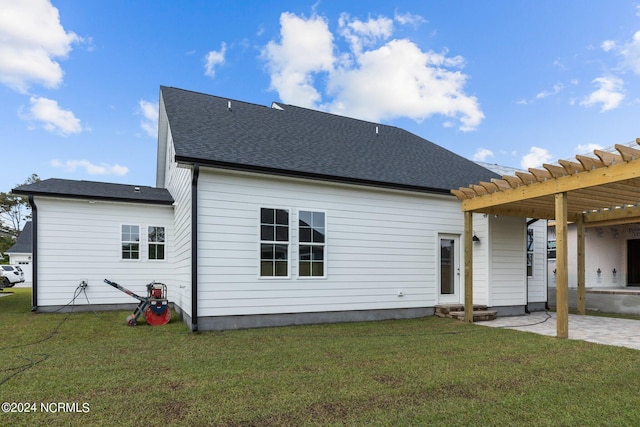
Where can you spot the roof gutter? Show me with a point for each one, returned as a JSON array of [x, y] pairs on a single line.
[[93, 197], [194, 247], [34, 254]]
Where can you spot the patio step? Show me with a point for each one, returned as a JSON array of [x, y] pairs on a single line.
[[456, 311]]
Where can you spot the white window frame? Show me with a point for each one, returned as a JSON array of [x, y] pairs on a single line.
[[286, 243], [122, 242], [163, 244], [324, 245]]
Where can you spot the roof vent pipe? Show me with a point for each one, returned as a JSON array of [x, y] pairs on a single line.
[[377, 131], [229, 105], [136, 189]]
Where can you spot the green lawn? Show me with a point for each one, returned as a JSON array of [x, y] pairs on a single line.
[[411, 372]]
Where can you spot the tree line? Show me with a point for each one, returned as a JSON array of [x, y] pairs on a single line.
[[14, 213]]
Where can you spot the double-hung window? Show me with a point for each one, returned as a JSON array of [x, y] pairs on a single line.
[[274, 242], [130, 238], [156, 242], [311, 239]]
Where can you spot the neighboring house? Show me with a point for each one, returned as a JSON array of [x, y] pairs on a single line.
[[21, 253], [277, 216]]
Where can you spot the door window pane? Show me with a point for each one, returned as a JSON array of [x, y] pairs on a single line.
[[447, 266]]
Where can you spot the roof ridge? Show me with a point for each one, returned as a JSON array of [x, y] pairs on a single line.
[[222, 98]]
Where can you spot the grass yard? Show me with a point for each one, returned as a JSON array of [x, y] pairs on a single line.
[[428, 371]]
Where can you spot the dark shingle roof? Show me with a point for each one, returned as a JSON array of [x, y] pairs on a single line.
[[97, 190], [23, 244], [302, 142]]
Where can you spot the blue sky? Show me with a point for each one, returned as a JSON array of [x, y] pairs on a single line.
[[516, 83]]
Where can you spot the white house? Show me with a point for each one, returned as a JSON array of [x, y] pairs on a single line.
[[276, 216], [20, 252]]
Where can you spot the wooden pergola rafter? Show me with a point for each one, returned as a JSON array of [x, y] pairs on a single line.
[[590, 191]]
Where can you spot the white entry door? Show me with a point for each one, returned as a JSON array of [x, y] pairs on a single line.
[[449, 269]]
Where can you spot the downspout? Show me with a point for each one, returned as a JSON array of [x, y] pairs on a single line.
[[194, 248], [526, 306], [34, 254]]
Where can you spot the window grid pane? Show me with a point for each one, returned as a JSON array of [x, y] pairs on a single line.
[[311, 232], [130, 236], [156, 242], [274, 239]]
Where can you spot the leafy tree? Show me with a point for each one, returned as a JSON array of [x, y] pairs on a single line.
[[5, 243], [15, 210]]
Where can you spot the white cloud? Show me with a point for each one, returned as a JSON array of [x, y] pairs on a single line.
[[559, 64], [376, 79], [213, 59], [608, 45], [629, 52], [361, 34], [32, 39], [586, 148], [609, 94], [400, 80], [90, 168], [557, 88], [409, 19], [535, 158], [54, 119], [149, 112], [305, 49], [482, 154]]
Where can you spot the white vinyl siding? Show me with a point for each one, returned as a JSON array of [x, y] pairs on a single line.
[[481, 256], [382, 242], [178, 182], [80, 240], [508, 254]]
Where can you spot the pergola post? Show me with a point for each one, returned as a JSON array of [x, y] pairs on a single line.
[[468, 267], [562, 274], [581, 257]]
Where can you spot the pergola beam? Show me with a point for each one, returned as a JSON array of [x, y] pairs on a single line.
[[618, 215], [468, 267], [562, 272], [601, 176], [590, 191]]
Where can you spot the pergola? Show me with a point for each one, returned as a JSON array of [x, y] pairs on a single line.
[[590, 191]]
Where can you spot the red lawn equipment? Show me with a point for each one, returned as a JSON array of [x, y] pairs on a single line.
[[155, 306]]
